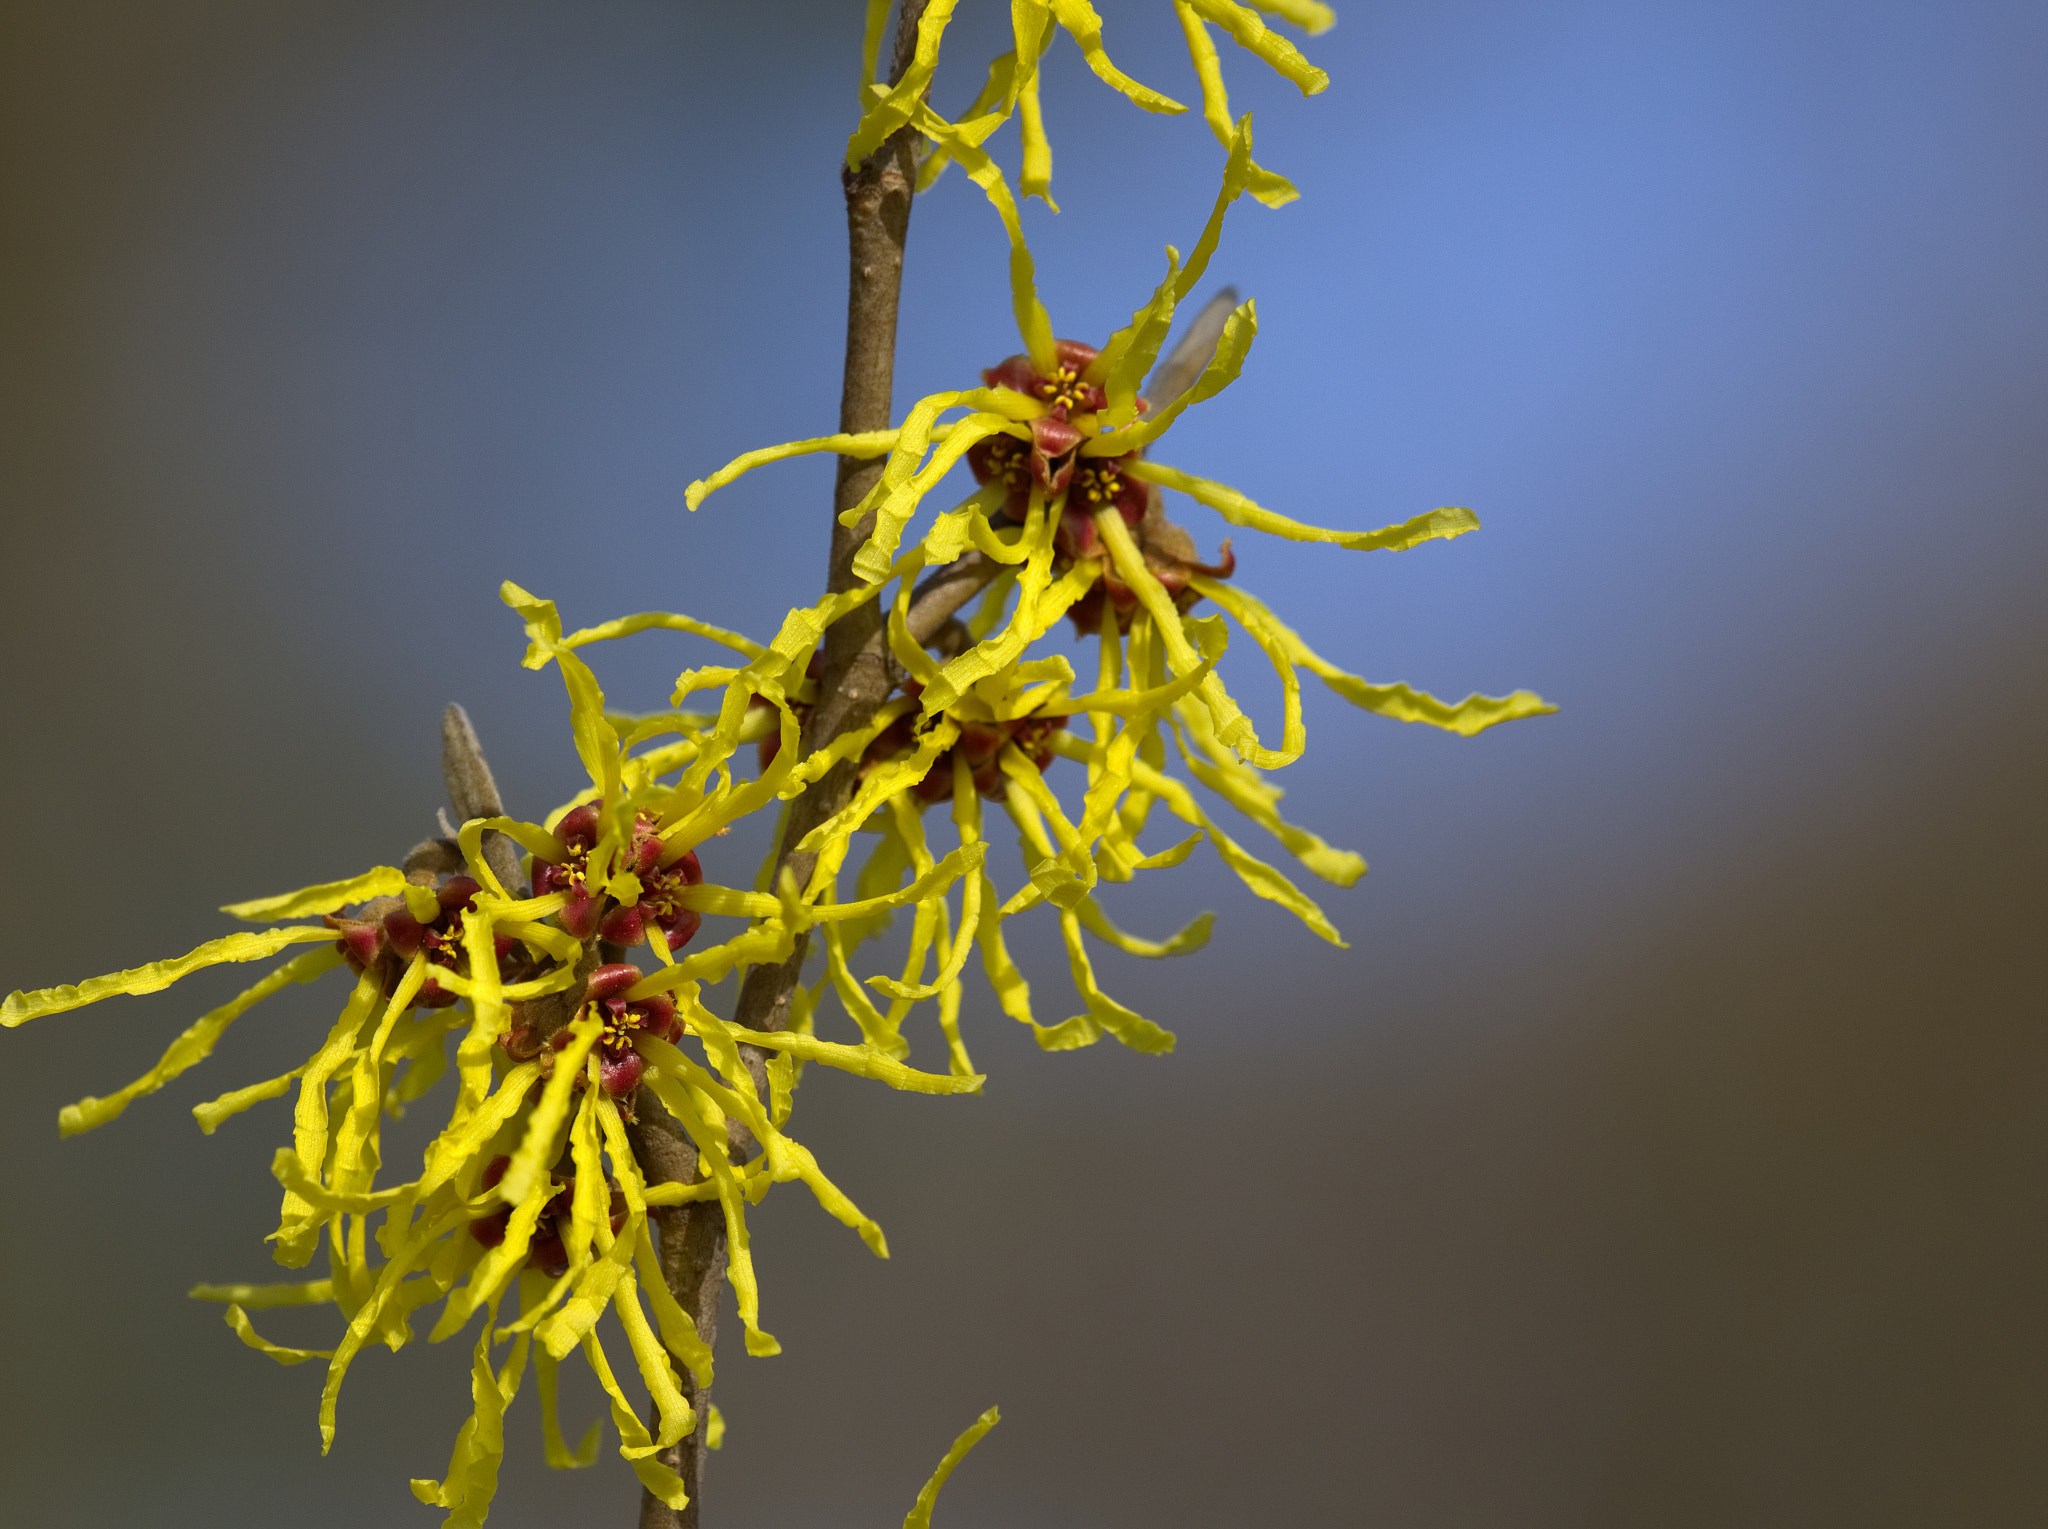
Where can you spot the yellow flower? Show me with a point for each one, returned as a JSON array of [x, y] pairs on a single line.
[[530, 1205], [1070, 508], [1012, 83], [551, 1052]]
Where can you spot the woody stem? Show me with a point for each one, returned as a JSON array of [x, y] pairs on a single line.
[[855, 678]]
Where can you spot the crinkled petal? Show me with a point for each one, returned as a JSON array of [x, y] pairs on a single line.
[[920, 1516], [1472, 715], [239, 1321], [196, 1044], [21, 1007], [383, 881]]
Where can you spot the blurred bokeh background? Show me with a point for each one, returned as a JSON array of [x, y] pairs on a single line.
[[1668, 1147]]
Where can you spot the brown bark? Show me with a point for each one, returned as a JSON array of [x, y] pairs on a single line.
[[692, 1249], [855, 677]]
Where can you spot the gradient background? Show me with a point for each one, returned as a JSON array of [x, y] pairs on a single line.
[[1669, 1146]]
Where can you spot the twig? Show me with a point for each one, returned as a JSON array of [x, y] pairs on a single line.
[[856, 676]]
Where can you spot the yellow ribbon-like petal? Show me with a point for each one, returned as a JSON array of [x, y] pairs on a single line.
[[1249, 30], [239, 1321], [863, 445], [1440, 524], [21, 1007], [384, 881], [1081, 22], [196, 1044], [1263, 184], [317, 1292], [1472, 715], [920, 1516]]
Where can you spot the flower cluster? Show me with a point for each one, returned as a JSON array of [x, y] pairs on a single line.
[[385, 933], [1069, 514], [657, 908], [532, 1205], [531, 1192]]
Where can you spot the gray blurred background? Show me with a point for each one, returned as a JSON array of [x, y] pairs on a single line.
[[1667, 1148]]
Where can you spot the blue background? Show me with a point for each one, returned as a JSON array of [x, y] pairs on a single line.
[[1668, 1146]]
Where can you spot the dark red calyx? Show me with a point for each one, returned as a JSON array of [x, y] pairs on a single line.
[[619, 1075], [658, 1017], [579, 915], [490, 1230], [1062, 391], [1100, 482], [546, 1252], [623, 926], [1075, 355], [616, 978], [680, 927], [1015, 373], [578, 828], [458, 892], [548, 877], [504, 945], [434, 996], [618, 1209], [521, 1042], [404, 932], [1006, 458], [361, 942], [647, 848], [494, 1171], [1052, 438]]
